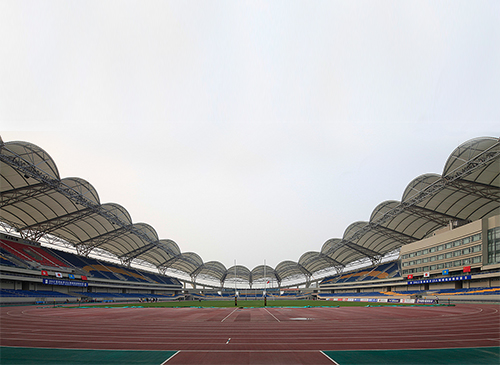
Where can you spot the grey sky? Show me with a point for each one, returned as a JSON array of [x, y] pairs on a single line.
[[249, 130]]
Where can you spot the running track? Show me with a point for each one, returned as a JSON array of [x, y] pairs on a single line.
[[251, 335]]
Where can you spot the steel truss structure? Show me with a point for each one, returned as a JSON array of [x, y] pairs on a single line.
[[36, 203]]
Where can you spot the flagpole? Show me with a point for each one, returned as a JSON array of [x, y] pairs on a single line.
[[265, 285], [235, 297]]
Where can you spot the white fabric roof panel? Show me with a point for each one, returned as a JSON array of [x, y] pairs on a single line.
[[157, 253], [213, 269], [288, 270], [29, 208], [339, 250], [314, 261], [379, 240], [83, 225], [35, 200], [239, 272], [263, 272], [29, 155], [409, 223], [122, 241], [187, 262]]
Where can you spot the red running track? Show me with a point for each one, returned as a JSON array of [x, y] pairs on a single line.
[[252, 335]]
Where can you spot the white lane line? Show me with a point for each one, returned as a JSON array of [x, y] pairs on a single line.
[[170, 358], [229, 315], [329, 358], [176, 343], [272, 315]]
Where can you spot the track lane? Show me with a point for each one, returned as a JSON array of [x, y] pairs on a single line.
[[252, 330]]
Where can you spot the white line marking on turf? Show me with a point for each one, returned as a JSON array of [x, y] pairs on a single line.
[[163, 363], [229, 315], [272, 315], [336, 363]]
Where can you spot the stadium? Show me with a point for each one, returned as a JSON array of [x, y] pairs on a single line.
[[435, 254]]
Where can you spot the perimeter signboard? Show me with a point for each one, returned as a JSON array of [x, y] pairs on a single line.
[[65, 282], [439, 280]]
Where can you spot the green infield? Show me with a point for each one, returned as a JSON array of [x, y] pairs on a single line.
[[456, 356], [28, 356], [249, 304]]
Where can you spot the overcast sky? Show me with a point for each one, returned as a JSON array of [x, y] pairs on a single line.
[[249, 130]]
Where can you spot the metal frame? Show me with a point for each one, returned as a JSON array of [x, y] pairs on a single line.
[[453, 178]]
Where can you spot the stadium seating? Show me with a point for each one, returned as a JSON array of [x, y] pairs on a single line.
[[381, 271], [124, 296], [27, 256], [31, 253], [353, 294], [101, 270], [405, 292], [468, 291], [4, 260], [33, 293]]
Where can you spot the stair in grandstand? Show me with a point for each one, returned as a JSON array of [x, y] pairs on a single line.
[[8, 259]]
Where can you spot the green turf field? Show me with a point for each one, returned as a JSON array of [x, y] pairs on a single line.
[[35, 356], [458, 356], [250, 304]]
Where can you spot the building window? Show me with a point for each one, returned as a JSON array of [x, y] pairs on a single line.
[[476, 260], [494, 245]]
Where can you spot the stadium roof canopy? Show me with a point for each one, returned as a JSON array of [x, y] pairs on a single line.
[[36, 202]]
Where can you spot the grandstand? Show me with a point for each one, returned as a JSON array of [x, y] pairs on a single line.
[[32, 273], [59, 241]]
